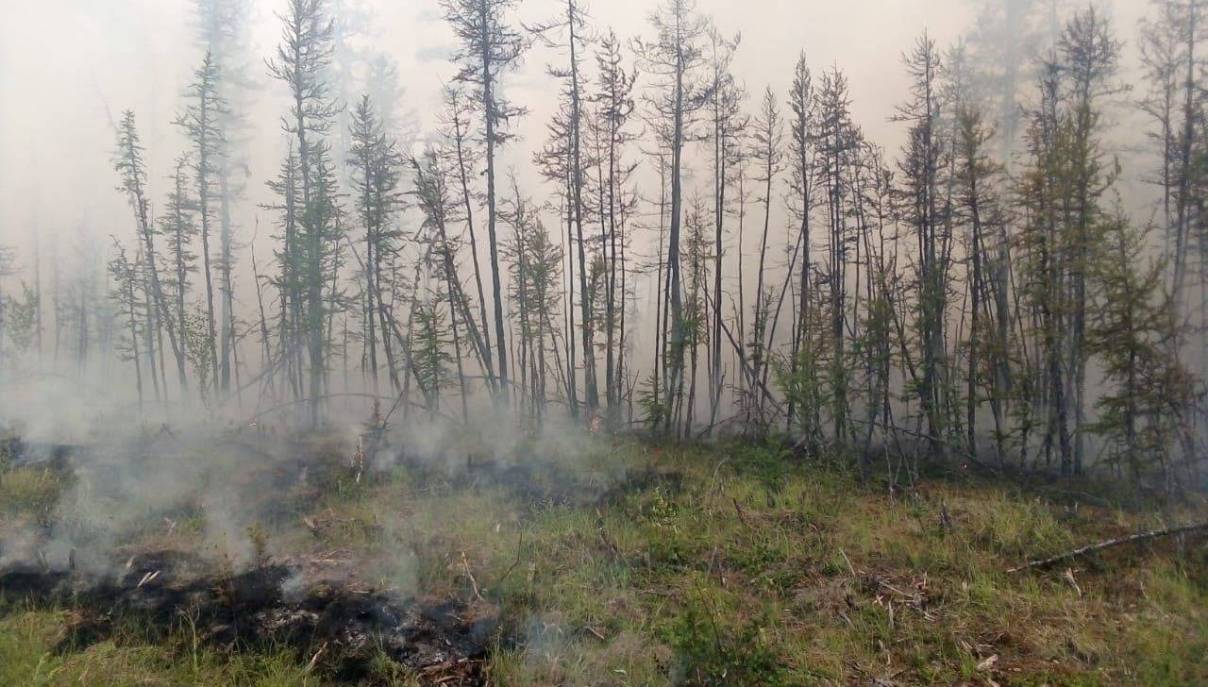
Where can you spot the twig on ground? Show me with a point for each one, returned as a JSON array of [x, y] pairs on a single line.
[[738, 509], [465, 565], [515, 563], [850, 567], [314, 660]]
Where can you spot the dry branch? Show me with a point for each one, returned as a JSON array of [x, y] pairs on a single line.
[[1139, 536]]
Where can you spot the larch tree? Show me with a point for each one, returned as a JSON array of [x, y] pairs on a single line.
[[224, 33], [456, 129], [727, 123], [489, 48], [436, 198], [923, 162], [1144, 410], [125, 285], [201, 122], [1174, 60], [767, 153], [838, 148], [677, 65], [978, 208], [376, 165], [179, 229], [802, 152], [613, 99], [573, 38], [301, 60], [1090, 57], [131, 167]]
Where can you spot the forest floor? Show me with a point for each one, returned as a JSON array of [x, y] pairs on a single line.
[[638, 564]]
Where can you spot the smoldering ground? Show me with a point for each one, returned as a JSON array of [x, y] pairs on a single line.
[[222, 528]]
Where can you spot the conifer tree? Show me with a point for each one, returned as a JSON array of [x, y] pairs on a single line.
[[489, 48]]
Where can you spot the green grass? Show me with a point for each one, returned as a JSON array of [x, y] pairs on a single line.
[[751, 569], [27, 657]]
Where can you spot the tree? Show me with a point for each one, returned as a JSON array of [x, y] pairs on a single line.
[[125, 291], [676, 62], [223, 31], [489, 48], [726, 135], [1090, 55], [438, 203], [302, 57], [7, 261], [838, 145], [614, 103], [534, 261], [130, 166], [571, 25], [179, 229], [201, 123], [766, 151], [978, 207], [456, 130], [801, 200], [924, 159], [376, 175], [429, 354], [1170, 53], [1144, 411]]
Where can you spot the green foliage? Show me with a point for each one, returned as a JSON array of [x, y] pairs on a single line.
[[715, 652], [655, 408], [1143, 412], [430, 354], [21, 318], [199, 347], [30, 492], [769, 464]]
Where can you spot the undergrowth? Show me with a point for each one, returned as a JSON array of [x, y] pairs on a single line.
[[740, 565]]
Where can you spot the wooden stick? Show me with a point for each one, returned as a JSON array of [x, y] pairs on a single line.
[[465, 565], [1140, 536]]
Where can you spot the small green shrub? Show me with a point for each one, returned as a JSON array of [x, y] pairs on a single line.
[[712, 653]]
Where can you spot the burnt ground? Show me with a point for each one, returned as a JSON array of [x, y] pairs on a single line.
[[340, 630], [333, 622]]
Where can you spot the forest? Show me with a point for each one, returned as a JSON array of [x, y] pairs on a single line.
[[709, 383]]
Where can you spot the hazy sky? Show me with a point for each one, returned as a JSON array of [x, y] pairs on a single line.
[[68, 67]]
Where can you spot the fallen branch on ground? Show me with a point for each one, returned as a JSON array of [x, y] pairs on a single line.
[[465, 565], [1140, 536]]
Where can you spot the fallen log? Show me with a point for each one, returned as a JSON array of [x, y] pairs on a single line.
[[1090, 548]]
